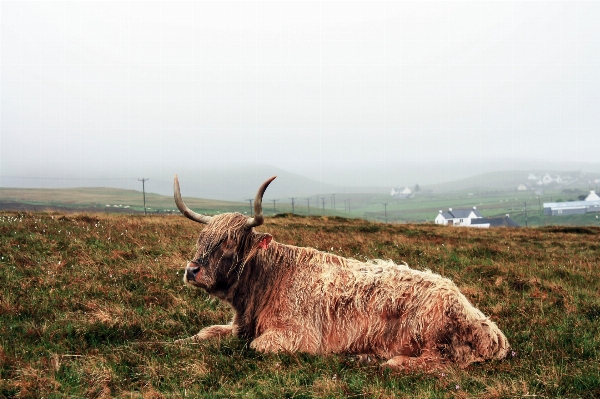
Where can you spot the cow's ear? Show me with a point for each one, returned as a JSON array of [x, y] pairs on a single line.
[[228, 247], [264, 241]]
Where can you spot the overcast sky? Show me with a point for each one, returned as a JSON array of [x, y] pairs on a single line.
[[132, 89]]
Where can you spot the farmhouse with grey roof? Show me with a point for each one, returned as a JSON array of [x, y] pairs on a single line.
[[457, 217]]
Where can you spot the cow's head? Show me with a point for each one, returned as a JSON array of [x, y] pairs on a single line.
[[225, 245]]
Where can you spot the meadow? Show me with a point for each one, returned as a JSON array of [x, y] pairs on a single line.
[[422, 208], [90, 306]]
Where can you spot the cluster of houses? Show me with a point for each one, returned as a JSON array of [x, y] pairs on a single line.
[[544, 181], [538, 182], [590, 204], [472, 218]]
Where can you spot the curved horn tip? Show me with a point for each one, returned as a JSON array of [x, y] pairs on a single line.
[[268, 181], [258, 218]]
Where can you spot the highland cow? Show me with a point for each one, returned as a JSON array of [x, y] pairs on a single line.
[[294, 299]]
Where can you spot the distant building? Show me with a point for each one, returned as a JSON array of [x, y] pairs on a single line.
[[547, 179], [589, 205], [522, 187], [457, 217], [485, 223], [399, 192], [592, 197], [532, 177]]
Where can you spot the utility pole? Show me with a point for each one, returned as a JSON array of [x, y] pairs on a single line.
[[274, 200], [308, 200], [323, 202], [385, 209], [293, 204], [525, 213], [144, 191], [333, 202], [250, 201]]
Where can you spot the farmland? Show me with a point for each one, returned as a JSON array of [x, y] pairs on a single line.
[[90, 306], [421, 209]]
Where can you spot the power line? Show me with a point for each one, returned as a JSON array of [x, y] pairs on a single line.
[[293, 204]]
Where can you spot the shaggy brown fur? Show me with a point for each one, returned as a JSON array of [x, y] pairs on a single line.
[[292, 299]]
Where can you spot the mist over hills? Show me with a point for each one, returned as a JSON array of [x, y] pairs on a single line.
[[238, 182]]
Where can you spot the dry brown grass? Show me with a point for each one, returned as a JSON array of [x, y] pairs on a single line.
[[90, 306]]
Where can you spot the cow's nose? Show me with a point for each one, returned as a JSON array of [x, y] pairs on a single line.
[[191, 271]]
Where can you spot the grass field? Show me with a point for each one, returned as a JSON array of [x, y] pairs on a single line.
[[90, 306], [105, 199], [421, 209]]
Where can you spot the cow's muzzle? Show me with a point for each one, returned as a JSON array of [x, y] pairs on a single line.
[[191, 271]]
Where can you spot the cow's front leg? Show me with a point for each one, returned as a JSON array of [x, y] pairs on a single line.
[[283, 341], [209, 332], [424, 362]]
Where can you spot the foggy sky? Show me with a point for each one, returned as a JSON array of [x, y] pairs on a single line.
[[342, 93]]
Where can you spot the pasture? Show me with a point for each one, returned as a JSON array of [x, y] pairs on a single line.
[[90, 305], [423, 208]]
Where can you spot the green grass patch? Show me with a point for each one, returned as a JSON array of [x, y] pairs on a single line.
[[90, 305]]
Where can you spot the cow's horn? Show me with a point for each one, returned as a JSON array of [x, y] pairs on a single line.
[[196, 217], [258, 218]]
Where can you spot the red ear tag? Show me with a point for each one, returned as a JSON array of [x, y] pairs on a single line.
[[264, 243]]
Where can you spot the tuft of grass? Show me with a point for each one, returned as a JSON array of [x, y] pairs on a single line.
[[90, 305]]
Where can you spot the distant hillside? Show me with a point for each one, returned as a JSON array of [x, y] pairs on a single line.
[[238, 184], [510, 180], [102, 199]]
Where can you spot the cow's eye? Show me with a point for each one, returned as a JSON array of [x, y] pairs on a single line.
[[201, 261]]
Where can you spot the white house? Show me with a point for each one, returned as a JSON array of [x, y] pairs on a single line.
[[457, 217], [522, 187], [592, 197], [532, 177], [547, 179], [401, 192]]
